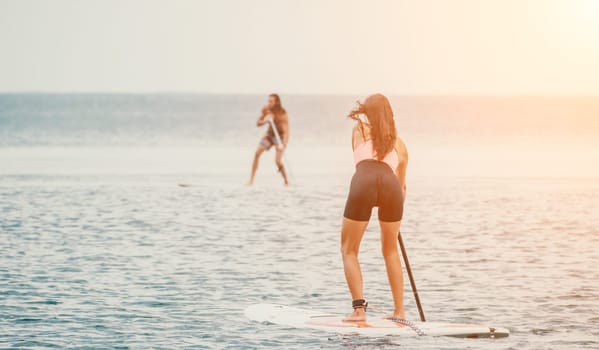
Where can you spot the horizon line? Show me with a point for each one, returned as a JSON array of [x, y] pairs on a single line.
[[158, 92]]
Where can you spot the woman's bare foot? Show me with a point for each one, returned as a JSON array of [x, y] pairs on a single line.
[[358, 315], [401, 314], [398, 315]]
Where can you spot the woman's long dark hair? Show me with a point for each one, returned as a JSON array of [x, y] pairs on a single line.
[[380, 117], [278, 108]]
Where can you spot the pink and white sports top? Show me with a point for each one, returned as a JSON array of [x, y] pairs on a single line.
[[366, 151]]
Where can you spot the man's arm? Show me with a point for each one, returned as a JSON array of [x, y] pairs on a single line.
[[286, 131], [262, 119]]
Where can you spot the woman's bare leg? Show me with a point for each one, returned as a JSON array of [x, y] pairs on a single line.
[[255, 163], [389, 232], [351, 236]]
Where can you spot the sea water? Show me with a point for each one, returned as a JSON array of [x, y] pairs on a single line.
[[100, 247]]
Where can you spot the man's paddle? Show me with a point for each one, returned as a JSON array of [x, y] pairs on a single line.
[[274, 128], [409, 269]]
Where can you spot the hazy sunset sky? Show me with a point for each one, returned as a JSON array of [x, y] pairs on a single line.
[[320, 46]]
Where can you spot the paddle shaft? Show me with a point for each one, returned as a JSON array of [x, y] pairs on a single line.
[[278, 137], [410, 276], [274, 129]]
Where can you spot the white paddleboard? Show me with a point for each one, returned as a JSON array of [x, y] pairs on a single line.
[[375, 325]]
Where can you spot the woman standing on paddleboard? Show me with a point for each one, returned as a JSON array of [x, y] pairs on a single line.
[[273, 111], [381, 159]]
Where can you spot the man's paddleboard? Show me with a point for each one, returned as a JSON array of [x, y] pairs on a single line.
[[375, 325]]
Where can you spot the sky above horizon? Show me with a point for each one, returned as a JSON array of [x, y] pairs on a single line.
[[494, 47]]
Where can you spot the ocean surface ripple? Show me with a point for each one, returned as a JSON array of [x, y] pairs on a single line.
[[138, 262]]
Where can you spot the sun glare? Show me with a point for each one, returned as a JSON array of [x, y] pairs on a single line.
[[583, 15]]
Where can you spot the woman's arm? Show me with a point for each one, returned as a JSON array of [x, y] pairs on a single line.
[[355, 136], [402, 152], [360, 133]]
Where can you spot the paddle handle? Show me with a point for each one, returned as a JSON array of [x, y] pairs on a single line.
[[410, 276]]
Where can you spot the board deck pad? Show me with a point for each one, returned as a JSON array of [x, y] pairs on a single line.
[[375, 325]]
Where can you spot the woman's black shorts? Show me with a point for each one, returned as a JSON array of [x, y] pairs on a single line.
[[374, 185]]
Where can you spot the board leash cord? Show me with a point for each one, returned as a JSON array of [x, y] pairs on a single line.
[[410, 324]]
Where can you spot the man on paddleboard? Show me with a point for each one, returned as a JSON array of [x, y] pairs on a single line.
[[273, 114]]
